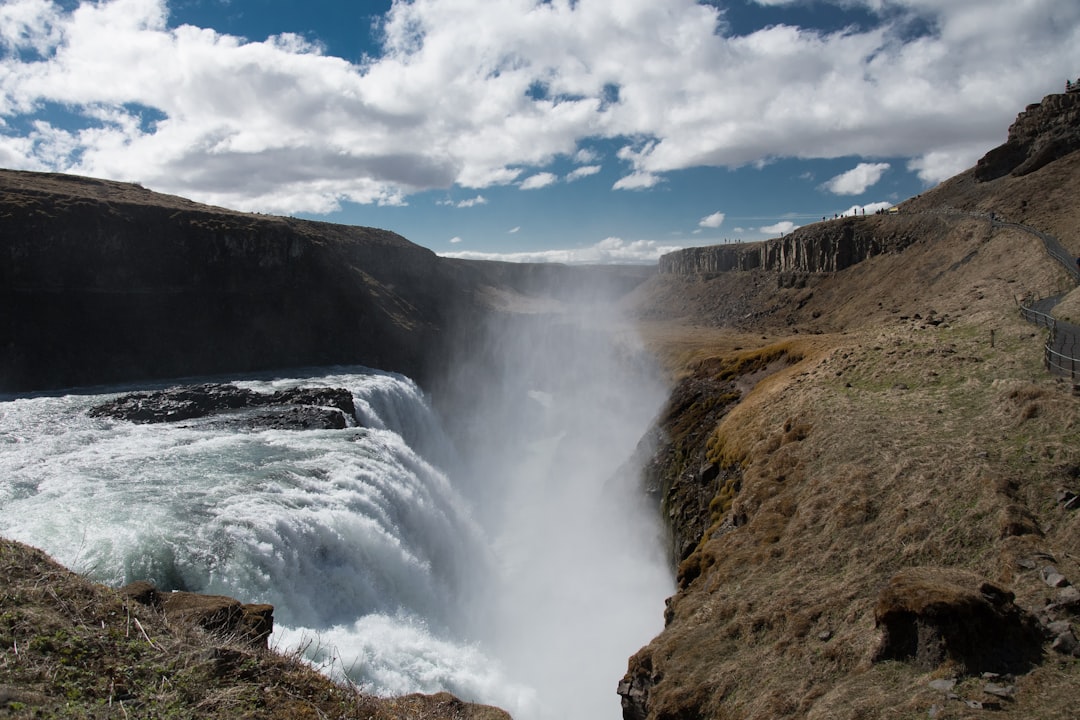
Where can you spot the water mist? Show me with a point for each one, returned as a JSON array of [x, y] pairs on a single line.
[[554, 404], [499, 548]]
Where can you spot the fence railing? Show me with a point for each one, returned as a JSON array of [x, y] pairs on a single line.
[[1061, 354], [1061, 363]]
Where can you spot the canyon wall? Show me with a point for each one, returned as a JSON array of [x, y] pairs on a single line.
[[823, 247], [105, 282]]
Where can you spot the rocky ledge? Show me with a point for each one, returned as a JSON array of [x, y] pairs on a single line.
[[229, 406], [248, 624], [1042, 133]]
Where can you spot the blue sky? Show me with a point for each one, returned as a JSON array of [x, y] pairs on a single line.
[[584, 131]]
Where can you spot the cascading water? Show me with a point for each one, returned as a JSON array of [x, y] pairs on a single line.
[[516, 570]]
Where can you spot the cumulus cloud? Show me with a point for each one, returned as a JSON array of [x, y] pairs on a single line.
[[609, 251], [712, 221], [472, 202], [278, 125], [584, 171], [586, 156], [455, 240], [856, 180], [781, 228], [869, 208], [539, 180], [637, 181]]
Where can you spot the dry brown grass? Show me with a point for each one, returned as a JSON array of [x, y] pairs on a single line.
[[923, 431], [74, 649]]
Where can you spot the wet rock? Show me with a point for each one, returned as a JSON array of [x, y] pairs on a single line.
[[298, 408], [304, 417], [930, 615], [635, 687]]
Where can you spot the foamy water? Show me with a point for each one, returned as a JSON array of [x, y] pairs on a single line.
[[379, 565]]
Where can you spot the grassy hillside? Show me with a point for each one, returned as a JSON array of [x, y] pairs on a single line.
[[917, 436]]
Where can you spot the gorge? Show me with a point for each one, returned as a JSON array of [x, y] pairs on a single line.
[[853, 424], [481, 535]]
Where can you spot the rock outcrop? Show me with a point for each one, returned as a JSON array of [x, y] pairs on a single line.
[[296, 409], [932, 615], [247, 623], [1042, 133], [825, 247]]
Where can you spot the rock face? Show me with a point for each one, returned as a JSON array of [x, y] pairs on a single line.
[[217, 614], [678, 472], [103, 282], [1042, 133], [297, 409], [824, 247], [930, 615]]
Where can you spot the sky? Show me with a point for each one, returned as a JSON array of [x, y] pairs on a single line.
[[561, 130]]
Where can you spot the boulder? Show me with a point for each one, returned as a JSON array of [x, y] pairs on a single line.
[[932, 615], [249, 624], [1052, 577], [232, 406]]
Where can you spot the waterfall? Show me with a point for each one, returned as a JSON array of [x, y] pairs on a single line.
[[479, 552]]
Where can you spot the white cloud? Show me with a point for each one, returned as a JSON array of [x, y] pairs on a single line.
[[856, 180], [277, 125], [712, 221], [637, 181], [472, 202], [781, 228], [455, 240], [584, 171], [869, 208], [938, 165], [609, 251], [514, 229], [586, 156], [539, 180]]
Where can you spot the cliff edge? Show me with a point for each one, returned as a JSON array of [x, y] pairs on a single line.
[[871, 477]]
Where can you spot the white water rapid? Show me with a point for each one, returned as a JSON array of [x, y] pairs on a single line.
[[515, 565]]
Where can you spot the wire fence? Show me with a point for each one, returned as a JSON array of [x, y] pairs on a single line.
[[1062, 351]]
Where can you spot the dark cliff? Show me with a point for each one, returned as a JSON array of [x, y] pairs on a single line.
[[106, 282], [823, 247]]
